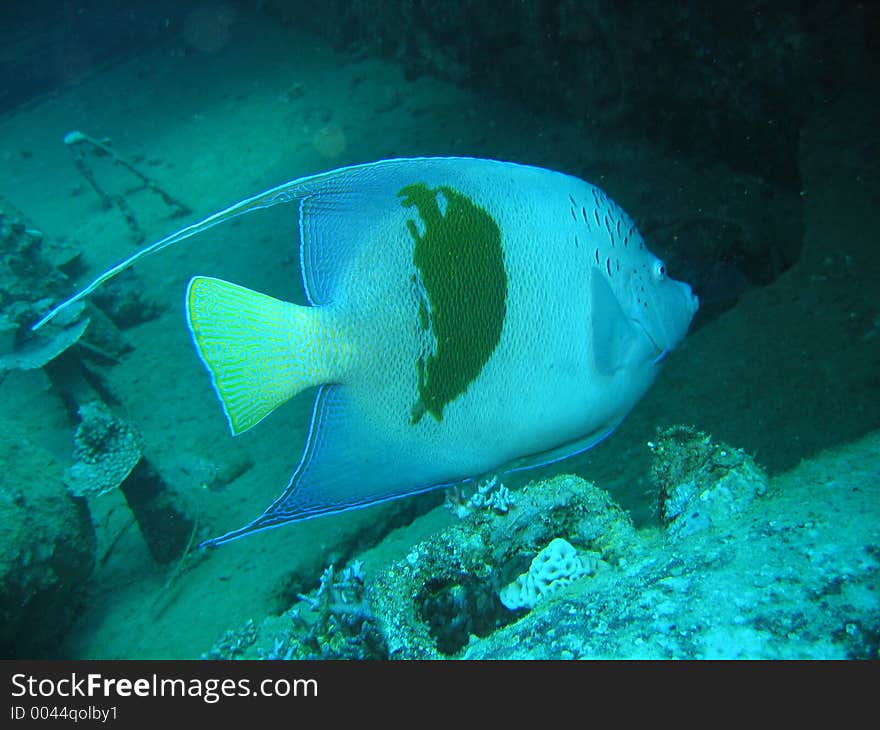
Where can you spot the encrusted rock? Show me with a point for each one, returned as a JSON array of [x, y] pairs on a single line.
[[47, 550], [701, 482], [446, 589], [106, 449]]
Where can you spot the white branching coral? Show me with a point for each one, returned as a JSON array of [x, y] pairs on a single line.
[[489, 494]]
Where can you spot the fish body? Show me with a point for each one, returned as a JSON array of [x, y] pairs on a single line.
[[465, 317]]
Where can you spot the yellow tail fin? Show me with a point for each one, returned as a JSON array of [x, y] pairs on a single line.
[[259, 351]]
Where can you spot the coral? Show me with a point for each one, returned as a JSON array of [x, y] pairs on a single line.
[[489, 494], [791, 575], [556, 566], [334, 621], [28, 284], [38, 349], [775, 577], [106, 449], [234, 643], [25, 275]]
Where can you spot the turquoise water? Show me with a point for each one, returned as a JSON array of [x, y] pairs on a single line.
[[217, 103]]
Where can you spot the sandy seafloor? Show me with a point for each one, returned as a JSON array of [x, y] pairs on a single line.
[[271, 105]]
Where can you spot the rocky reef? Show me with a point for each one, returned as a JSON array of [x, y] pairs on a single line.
[[334, 621], [738, 568], [47, 549], [451, 587]]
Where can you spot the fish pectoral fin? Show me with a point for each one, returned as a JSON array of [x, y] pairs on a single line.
[[259, 351], [612, 331]]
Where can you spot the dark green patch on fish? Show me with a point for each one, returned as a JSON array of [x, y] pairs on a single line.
[[461, 264]]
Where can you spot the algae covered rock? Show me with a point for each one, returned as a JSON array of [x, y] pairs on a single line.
[[334, 621], [786, 571], [47, 550], [106, 449], [701, 482], [760, 573], [446, 590]]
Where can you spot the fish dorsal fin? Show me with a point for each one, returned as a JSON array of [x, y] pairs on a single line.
[[352, 207], [342, 213], [339, 199]]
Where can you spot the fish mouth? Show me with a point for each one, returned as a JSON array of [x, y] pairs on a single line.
[[664, 334]]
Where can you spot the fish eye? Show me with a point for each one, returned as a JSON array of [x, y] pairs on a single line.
[[659, 270]]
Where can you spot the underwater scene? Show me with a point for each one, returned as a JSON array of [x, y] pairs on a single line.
[[425, 329]]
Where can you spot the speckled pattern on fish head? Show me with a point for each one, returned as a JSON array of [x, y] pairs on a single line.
[[661, 306]]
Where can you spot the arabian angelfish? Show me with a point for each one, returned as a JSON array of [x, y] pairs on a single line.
[[466, 317]]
